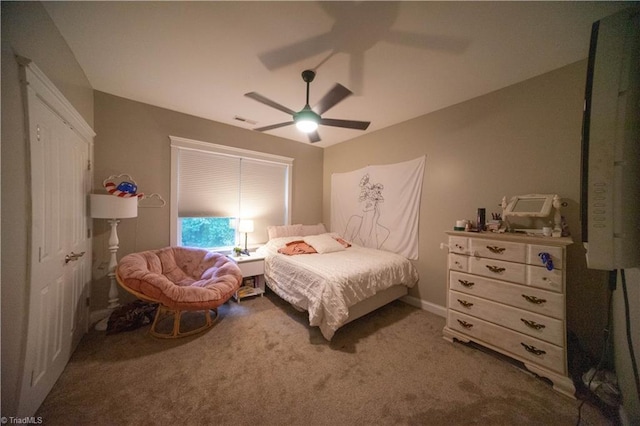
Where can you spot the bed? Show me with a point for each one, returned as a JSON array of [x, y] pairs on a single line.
[[335, 286]]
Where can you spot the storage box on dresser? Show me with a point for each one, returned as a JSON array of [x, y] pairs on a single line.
[[502, 296]]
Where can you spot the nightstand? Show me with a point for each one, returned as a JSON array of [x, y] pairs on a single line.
[[252, 268]]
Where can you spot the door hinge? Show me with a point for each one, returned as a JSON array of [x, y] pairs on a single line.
[[39, 254], [32, 371], [87, 301], [88, 232], [38, 132], [88, 164]]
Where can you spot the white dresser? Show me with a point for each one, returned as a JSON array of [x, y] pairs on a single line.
[[502, 295]]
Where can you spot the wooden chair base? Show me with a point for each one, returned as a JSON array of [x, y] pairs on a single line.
[[163, 313]]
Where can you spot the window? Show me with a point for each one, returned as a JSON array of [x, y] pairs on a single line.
[[215, 186], [207, 232]]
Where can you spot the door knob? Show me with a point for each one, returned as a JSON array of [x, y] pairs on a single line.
[[72, 256]]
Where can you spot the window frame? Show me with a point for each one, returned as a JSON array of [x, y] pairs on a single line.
[[180, 143]]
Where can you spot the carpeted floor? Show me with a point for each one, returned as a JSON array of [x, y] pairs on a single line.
[[261, 364]]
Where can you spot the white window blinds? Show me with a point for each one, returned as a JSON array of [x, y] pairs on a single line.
[[217, 181], [208, 184], [263, 194]]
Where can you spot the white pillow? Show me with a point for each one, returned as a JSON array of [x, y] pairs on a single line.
[[284, 231], [323, 243], [313, 229]]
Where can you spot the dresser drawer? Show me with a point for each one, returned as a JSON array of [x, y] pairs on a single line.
[[539, 326], [512, 343], [459, 245], [458, 262], [533, 255], [502, 250], [519, 296], [534, 276], [252, 268], [508, 271], [541, 277]]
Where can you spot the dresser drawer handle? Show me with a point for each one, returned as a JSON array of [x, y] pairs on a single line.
[[465, 324], [459, 247], [534, 300], [496, 249], [533, 324], [495, 269], [466, 283], [465, 303], [546, 260], [533, 349]]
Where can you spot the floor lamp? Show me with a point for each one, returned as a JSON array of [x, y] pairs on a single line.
[[112, 208]]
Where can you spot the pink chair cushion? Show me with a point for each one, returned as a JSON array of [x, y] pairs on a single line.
[[181, 278]]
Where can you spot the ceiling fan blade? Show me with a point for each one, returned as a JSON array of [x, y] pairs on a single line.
[[349, 124], [295, 52], [314, 137], [335, 95], [258, 97], [273, 126]]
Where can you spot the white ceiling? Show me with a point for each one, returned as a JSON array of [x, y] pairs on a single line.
[[401, 59]]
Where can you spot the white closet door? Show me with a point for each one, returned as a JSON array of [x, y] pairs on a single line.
[[77, 185], [60, 244]]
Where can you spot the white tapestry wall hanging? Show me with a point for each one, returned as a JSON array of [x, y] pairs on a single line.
[[379, 206]]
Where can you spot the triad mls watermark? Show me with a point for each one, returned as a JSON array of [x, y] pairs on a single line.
[[31, 420]]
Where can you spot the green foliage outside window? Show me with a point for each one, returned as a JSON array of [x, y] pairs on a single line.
[[207, 232]]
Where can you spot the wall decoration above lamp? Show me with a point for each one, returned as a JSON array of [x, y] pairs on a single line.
[[122, 186], [154, 200], [113, 208]]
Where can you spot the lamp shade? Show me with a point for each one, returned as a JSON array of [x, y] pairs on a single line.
[[246, 225], [107, 206]]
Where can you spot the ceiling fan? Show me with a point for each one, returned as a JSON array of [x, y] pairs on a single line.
[[308, 119]]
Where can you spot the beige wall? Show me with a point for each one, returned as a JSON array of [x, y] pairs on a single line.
[[519, 140], [523, 139], [133, 138], [28, 31]]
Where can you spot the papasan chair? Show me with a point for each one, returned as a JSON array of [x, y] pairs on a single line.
[[180, 279]]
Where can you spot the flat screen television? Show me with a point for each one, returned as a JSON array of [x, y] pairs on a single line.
[[610, 181]]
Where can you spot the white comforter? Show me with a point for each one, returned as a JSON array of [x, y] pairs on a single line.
[[326, 285]]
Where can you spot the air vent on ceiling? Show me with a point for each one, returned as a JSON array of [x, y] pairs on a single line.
[[245, 120]]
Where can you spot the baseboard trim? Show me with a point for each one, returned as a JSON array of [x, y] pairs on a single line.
[[425, 306]]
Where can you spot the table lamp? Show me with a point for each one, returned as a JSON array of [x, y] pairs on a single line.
[[112, 208], [246, 226]]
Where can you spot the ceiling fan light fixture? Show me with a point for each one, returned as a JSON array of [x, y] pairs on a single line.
[[306, 120], [306, 126]]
